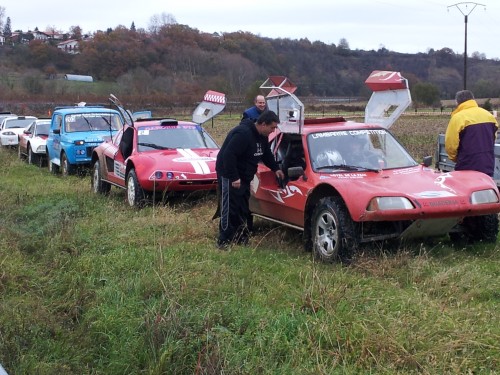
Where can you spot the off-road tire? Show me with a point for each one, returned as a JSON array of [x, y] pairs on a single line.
[[66, 168], [135, 193], [54, 169], [32, 157], [482, 228], [98, 185], [334, 236]]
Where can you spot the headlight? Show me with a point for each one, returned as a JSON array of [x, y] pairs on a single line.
[[389, 203], [484, 196]]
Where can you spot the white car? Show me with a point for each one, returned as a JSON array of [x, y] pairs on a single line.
[[33, 141], [5, 115], [12, 127]]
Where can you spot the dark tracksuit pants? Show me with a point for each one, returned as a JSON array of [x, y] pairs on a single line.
[[234, 212]]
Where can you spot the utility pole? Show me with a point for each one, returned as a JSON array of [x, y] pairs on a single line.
[[465, 10]]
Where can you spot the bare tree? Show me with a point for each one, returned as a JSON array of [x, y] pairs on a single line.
[[2, 15], [157, 21], [75, 32], [52, 30]]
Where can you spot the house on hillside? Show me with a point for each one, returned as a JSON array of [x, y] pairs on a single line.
[[69, 46], [55, 35], [39, 35]]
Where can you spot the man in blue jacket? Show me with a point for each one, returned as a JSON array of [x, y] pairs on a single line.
[[254, 112], [470, 135], [244, 147]]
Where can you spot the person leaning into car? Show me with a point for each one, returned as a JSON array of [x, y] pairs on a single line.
[[470, 135], [244, 147]]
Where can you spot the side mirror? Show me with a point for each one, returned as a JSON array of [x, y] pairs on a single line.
[[295, 172], [427, 161]]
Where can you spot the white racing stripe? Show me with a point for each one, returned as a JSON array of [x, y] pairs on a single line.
[[200, 166]]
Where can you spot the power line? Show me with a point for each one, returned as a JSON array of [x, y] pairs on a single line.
[[463, 8]]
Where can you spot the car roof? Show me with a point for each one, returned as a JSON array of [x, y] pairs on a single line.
[[10, 118], [334, 124], [72, 110], [162, 122]]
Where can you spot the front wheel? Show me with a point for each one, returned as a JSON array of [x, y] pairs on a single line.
[[66, 167], [98, 185], [333, 232], [53, 168], [481, 228], [135, 193], [32, 157]]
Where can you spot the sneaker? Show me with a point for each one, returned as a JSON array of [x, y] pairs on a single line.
[[242, 241], [222, 245]]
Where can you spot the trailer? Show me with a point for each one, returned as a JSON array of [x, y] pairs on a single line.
[[443, 162]]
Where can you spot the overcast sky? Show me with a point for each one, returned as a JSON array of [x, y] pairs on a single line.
[[409, 26]]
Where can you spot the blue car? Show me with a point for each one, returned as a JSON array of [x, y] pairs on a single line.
[[75, 132]]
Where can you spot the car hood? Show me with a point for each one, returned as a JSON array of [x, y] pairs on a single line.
[[415, 182], [92, 137], [193, 161], [425, 187]]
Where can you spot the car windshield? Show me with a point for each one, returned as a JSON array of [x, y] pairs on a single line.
[[84, 122], [18, 123], [42, 128], [171, 137], [348, 150]]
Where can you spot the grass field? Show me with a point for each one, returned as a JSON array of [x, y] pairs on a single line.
[[90, 286]]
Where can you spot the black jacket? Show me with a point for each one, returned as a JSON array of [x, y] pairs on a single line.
[[241, 151]]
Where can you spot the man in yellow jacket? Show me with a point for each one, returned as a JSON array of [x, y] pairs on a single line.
[[470, 136]]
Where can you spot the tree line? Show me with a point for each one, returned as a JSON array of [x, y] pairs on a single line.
[[175, 64]]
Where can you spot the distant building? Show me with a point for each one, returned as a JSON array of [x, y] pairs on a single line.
[[39, 35], [54, 35], [69, 46]]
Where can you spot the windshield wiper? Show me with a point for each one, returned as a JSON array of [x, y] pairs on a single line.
[[347, 167], [107, 121], [154, 145]]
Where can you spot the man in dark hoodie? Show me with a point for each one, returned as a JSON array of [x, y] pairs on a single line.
[[244, 147]]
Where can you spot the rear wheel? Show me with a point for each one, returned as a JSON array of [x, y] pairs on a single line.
[[54, 169], [135, 193], [98, 185], [66, 167], [334, 234]]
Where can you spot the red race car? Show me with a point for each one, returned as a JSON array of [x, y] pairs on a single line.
[[153, 157], [350, 183]]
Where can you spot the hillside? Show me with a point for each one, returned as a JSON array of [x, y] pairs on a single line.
[[176, 64]]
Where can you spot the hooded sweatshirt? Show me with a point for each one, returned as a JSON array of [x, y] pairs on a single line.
[[241, 151], [470, 138]]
